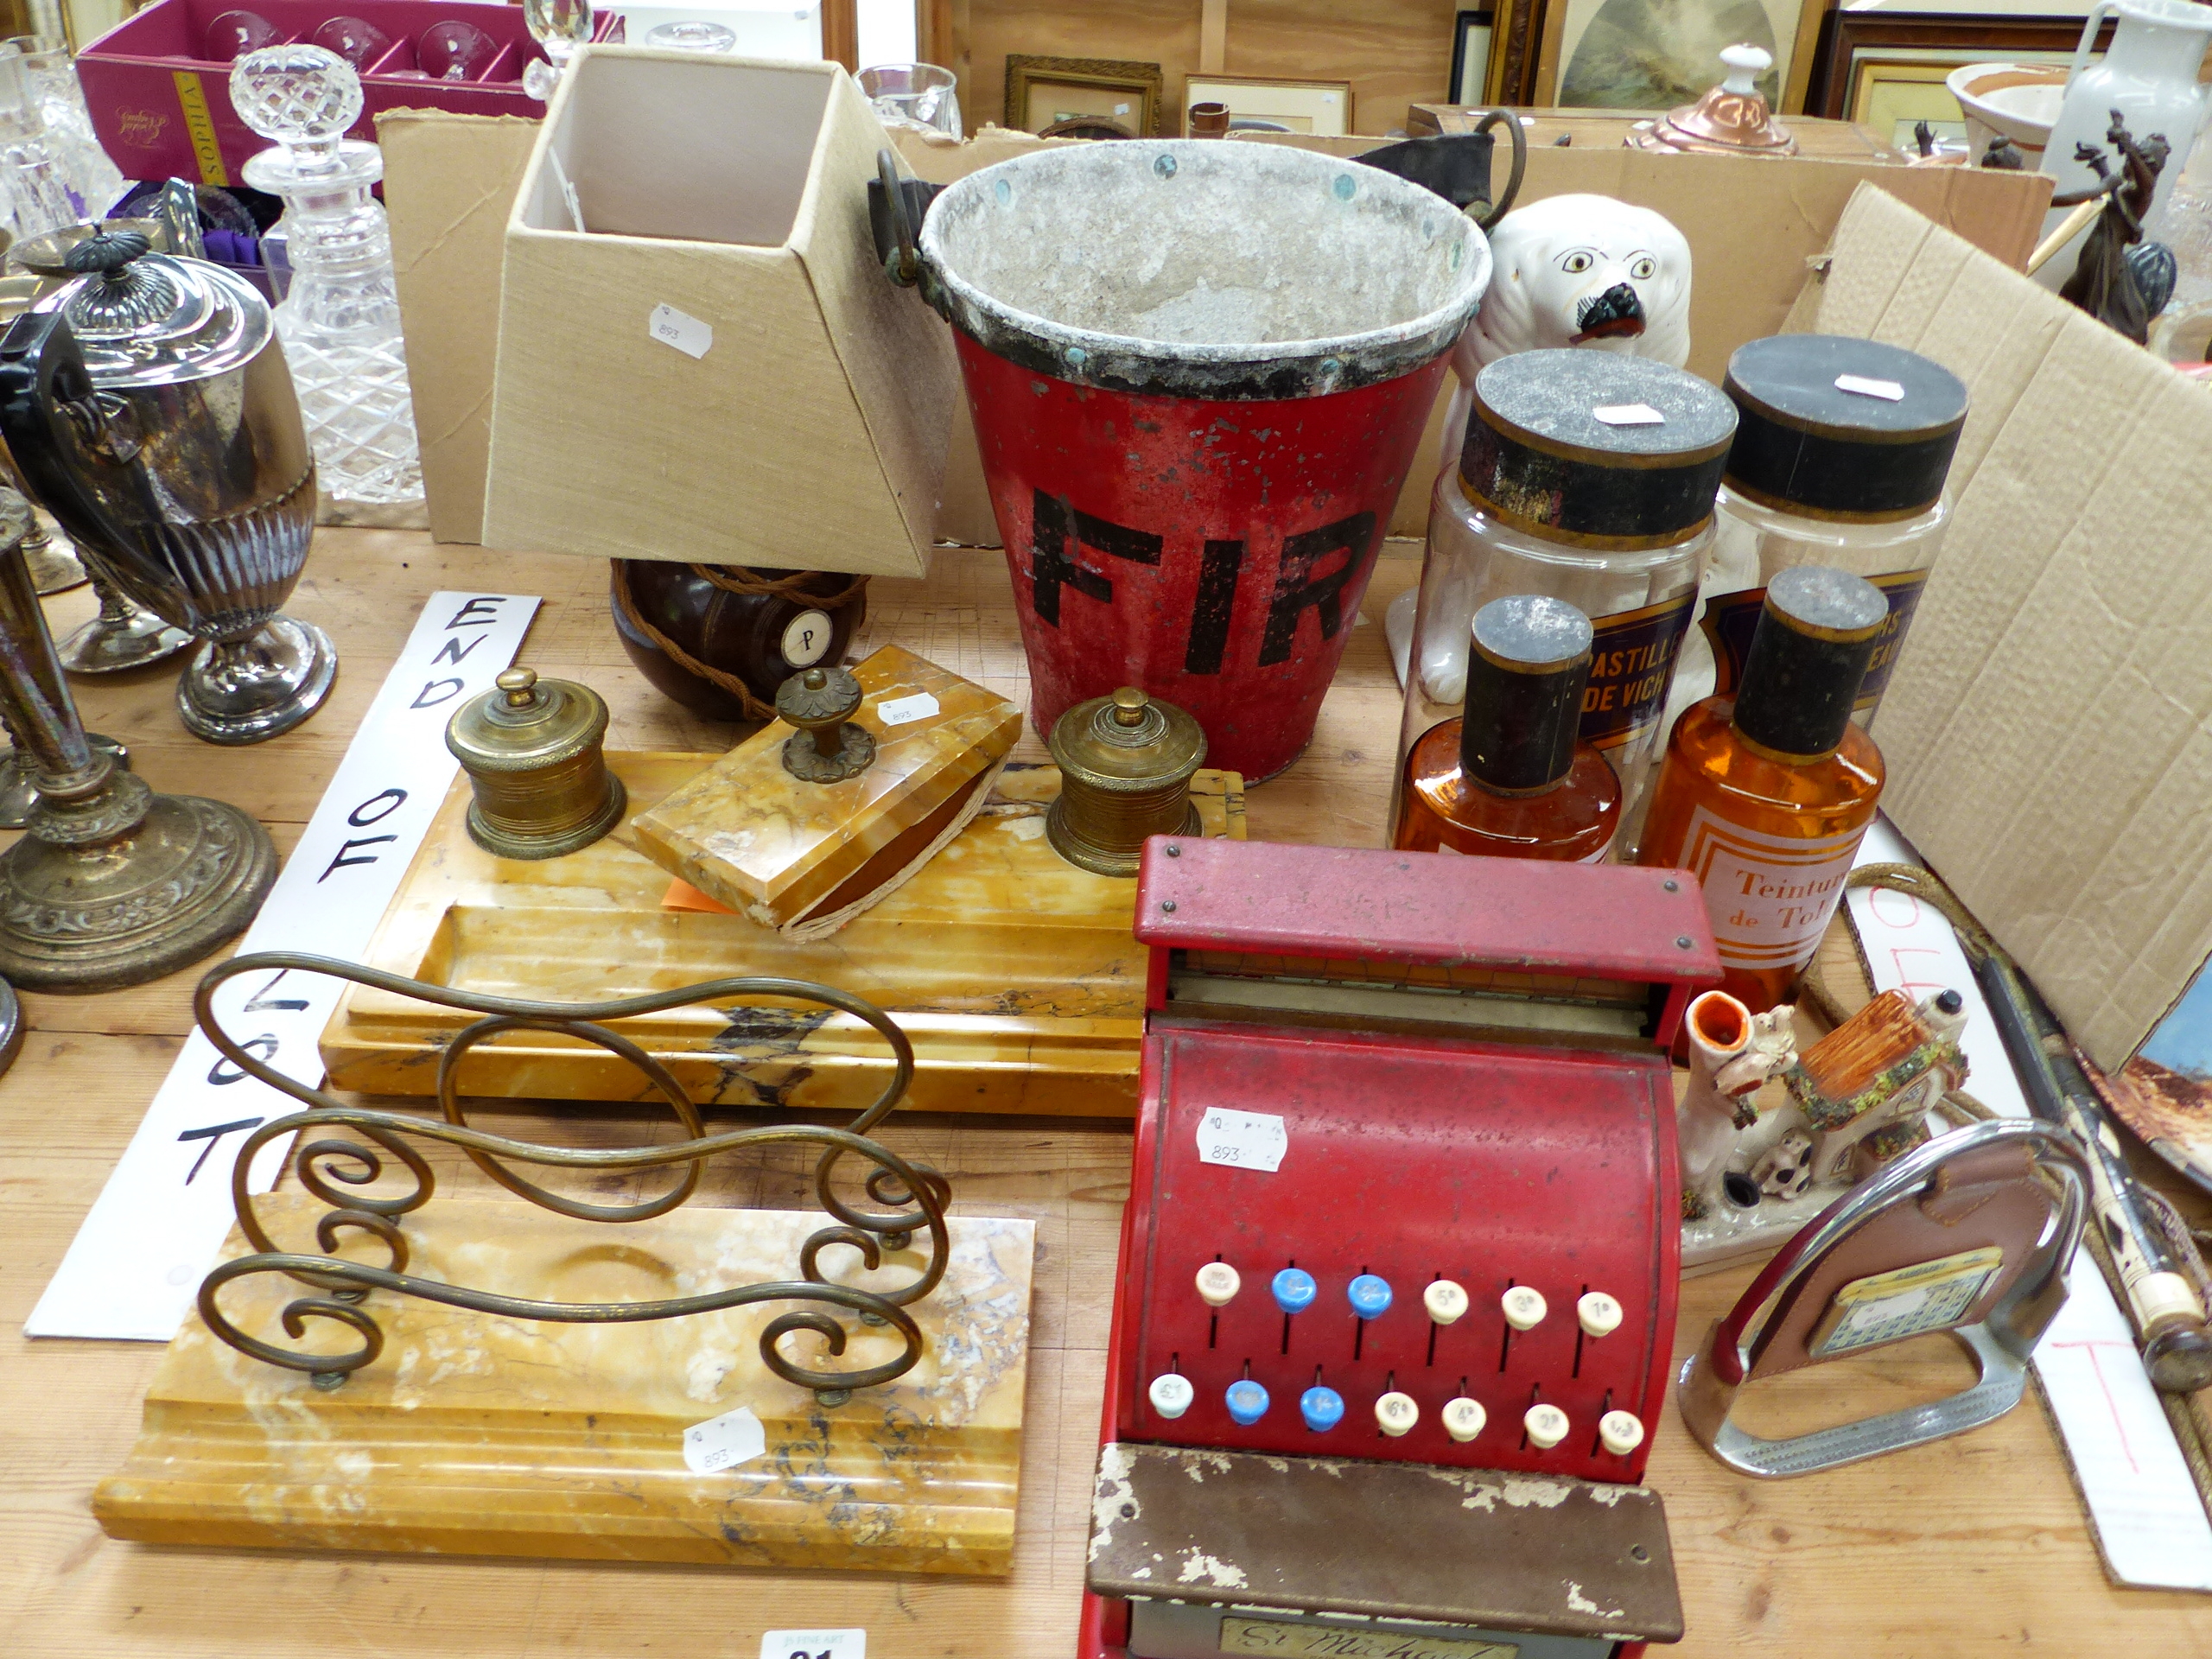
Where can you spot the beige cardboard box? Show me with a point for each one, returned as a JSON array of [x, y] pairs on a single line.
[[699, 356], [2048, 731], [1752, 226], [450, 182]]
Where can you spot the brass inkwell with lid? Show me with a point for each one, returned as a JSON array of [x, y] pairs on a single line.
[[532, 751], [1125, 766]]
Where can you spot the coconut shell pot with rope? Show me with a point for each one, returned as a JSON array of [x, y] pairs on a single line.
[[719, 638]]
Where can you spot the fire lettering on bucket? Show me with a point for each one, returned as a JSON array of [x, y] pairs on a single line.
[[1055, 523], [1296, 587]]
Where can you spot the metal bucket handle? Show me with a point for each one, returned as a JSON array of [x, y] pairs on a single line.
[[1435, 163], [1505, 205], [896, 207]]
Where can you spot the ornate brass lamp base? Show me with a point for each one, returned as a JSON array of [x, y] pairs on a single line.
[[112, 884], [116, 911]]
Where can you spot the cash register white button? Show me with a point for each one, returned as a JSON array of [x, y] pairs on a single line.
[[1547, 1427], [1397, 1413], [1445, 1300], [1621, 1432], [1171, 1394], [1219, 1283], [1524, 1308], [1464, 1418], [1599, 1313]]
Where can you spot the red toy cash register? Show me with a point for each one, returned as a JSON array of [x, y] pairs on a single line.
[[1397, 1298]]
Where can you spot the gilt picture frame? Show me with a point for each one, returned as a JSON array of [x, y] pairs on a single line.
[[1041, 93]]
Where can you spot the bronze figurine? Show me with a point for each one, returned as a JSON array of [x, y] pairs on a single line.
[[2121, 279]]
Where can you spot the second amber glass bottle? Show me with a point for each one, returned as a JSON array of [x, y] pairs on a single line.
[[1508, 779], [1764, 800]]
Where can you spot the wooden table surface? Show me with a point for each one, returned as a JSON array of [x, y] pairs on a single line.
[[1976, 1545]]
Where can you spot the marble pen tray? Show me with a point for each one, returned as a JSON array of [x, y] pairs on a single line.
[[1012, 972]]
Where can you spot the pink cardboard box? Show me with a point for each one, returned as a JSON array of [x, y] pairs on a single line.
[[162, 105]]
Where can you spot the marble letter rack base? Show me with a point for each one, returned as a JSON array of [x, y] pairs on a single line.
[[1013, 973], [475, 1435]]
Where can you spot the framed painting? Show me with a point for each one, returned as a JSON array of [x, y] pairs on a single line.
[[1655, 54], [1043, 92]]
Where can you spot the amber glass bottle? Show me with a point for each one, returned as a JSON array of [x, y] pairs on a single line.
[[1508, 779], [1764, 800]]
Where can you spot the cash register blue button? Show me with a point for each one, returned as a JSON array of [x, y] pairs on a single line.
[[1369, 1295], [1294, 1290], [1247, 1401], [1323, 1408]]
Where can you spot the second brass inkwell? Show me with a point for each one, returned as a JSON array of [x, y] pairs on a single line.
[[532, 749], [1125, 766]]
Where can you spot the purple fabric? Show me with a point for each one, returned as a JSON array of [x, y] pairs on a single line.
[[230, 248]]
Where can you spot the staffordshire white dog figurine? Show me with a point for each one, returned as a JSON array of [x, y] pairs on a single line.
[[1577, 270], [1568, 270]]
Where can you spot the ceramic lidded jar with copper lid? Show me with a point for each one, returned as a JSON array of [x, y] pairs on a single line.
[[1126, 763], [1734, 118], [532, 749]]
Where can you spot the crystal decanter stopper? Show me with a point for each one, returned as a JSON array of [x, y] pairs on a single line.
[[560, 26], [340, 320]]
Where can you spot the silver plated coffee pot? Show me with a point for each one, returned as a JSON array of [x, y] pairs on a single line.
[[149, 405]]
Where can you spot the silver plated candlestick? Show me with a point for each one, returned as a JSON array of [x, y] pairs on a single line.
[[112, 884]]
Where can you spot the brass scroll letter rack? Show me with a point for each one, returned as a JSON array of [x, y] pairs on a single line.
[[914, 1195]]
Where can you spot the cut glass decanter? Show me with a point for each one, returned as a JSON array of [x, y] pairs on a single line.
[[340, 318], [33, 193], [92, 179]]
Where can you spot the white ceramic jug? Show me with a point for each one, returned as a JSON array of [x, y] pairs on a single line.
[[2148, 74]]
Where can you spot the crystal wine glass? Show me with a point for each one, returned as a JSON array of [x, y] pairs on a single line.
[[231, 34], [354, 39], [454, 51], [692, 34], [560, 26]]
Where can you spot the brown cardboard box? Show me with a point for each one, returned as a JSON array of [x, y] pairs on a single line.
[[2048, 731], [700, 358], [1752, 225]]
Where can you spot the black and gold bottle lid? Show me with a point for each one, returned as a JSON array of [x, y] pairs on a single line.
[[1525, 678], [1595, 449], [1832, 427], [532, 749], [1126, 763], [1814, 638]]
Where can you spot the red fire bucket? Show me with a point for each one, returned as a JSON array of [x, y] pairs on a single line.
[[1199, 374]]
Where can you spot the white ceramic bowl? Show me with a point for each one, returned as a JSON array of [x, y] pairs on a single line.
[[2019, 100]]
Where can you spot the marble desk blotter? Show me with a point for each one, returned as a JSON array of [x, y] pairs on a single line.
[[482, 1436], [805, 857], [1013, 973]]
